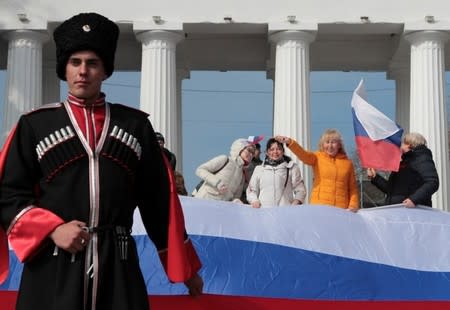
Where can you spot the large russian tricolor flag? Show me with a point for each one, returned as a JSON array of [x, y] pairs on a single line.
[[304, 257], [377, 137]]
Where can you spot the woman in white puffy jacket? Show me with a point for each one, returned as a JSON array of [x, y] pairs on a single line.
[[224, 176], [277, 182]]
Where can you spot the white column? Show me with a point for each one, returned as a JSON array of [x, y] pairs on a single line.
[[401, 75], [292, 90], [51, 91], [178, 150], [158, 82], [428, 105], [24, 76]]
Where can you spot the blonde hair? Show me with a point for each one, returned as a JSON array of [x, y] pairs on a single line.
[[414, 139], [332, 134]]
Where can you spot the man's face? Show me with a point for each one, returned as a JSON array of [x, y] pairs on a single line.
[[161, 143], [85, 73]]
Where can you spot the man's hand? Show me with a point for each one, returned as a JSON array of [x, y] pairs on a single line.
[[70, 237], [371, 173], [195, 285]]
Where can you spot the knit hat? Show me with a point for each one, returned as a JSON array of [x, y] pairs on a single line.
[[86, 31]]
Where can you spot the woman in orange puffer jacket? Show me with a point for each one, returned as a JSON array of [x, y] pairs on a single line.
[[334, 176]]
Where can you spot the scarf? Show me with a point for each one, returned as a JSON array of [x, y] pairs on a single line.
[[274, 162]]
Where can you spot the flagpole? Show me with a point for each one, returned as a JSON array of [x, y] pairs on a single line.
[[361, 196]]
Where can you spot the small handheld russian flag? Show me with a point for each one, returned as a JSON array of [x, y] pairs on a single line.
[[377, 137], [255, 139]]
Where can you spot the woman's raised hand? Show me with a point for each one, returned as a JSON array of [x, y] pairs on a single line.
[[283, 139]]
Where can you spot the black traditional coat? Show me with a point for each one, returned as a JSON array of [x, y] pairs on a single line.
[[51, 176]]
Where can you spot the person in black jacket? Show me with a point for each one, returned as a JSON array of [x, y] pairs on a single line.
[[256, 161], [416, 180], [170, 156]]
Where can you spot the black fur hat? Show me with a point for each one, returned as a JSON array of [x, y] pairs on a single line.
[[86, 31]]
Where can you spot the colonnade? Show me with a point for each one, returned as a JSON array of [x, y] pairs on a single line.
[[420, 87]]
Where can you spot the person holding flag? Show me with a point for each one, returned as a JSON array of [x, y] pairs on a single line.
[[377, 137], [380, 146], [415, 181]]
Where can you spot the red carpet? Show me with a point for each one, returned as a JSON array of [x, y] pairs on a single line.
[[219, 302]]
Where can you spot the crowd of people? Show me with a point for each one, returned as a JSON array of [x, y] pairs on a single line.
[[73, 173], [277, 180]]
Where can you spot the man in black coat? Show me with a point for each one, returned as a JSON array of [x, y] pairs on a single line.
[[416, 180], [170, 156], [73, 174]]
